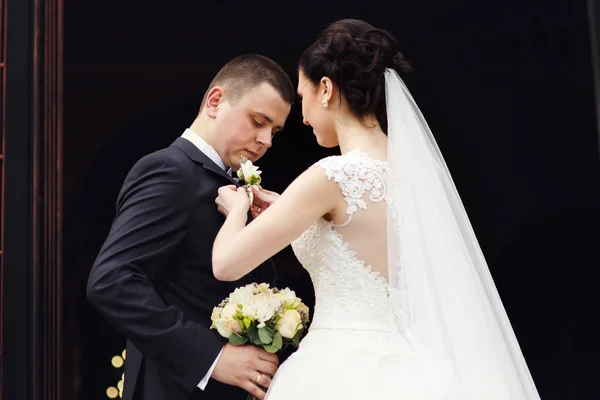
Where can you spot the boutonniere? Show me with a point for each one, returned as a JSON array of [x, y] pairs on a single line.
[[250, 175]]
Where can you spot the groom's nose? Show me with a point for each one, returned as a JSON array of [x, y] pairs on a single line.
[[264, 138]]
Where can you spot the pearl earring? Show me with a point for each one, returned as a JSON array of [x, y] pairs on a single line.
[[325, 104]]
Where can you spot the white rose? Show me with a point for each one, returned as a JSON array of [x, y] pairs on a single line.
[[288, 298], [249, 170], [289, 324], [226, 324], [222, 329], [216, 314]]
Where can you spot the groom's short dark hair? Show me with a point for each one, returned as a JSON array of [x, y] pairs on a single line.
[[247, 71]]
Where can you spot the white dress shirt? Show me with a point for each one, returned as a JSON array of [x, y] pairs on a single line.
[[213, 155]]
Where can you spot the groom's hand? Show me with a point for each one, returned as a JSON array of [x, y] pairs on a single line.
[[247, 367]]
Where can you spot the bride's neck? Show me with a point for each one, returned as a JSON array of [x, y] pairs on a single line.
[[365, 135]]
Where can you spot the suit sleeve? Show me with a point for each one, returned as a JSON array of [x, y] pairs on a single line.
[[153, 210]]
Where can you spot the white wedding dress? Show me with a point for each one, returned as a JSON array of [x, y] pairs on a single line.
[[437, 330], [356, 347]]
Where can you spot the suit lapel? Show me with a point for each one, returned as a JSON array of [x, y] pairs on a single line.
[[199, 157], [265, 272]]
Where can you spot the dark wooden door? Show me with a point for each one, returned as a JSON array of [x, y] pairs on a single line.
[[31, 137]]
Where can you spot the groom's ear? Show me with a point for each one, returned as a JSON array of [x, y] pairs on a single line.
[[213, 99]]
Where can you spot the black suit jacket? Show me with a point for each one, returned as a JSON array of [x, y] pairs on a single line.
[[153, 277]]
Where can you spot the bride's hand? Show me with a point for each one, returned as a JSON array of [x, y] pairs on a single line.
[[262, 200], [231, 199]]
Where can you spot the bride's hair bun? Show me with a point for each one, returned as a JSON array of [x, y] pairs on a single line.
[[355, 55]]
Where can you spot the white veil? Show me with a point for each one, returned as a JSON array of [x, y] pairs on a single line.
[[452, 308]]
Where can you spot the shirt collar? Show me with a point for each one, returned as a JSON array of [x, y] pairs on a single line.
[[205, 148]]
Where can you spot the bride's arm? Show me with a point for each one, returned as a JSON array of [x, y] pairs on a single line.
[[239, 248]]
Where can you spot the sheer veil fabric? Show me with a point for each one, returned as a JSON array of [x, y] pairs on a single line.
[[450, 304]]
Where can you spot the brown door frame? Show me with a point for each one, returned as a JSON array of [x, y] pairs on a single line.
[[2, 151], [593, 12], [32, 250]]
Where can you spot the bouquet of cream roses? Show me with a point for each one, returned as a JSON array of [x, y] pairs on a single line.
[[259, 315], [262, 316]]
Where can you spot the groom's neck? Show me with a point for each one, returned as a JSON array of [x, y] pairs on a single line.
[[201, 128]]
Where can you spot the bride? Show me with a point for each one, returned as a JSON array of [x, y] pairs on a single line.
[[405, 304]]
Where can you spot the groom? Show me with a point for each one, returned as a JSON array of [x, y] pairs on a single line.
[[153, 277]]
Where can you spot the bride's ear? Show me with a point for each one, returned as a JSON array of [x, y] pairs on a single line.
[[214, 97], [326, 89]]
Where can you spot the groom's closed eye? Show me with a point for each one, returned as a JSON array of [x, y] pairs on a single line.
[[261, 120], [260, 124]]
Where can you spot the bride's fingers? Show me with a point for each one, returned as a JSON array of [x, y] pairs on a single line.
[[257, 204], [260, 193]]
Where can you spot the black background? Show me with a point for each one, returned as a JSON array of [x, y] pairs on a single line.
[[506, 86]]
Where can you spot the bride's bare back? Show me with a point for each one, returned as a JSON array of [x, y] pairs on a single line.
[[360, 215]]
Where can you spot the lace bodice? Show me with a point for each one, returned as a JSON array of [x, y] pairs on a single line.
[[349, 295]]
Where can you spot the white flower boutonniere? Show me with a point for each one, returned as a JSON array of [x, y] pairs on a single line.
[[250, 175]]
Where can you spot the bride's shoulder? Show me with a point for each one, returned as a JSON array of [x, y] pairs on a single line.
[[338, 161], [330, 165], [349, 162]]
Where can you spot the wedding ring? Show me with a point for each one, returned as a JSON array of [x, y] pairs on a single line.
[[259, 209], [259, 378]]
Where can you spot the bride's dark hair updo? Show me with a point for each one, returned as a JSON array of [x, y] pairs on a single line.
[[354, 55]]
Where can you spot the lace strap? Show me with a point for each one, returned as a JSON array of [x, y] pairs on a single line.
[[356, 173]]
